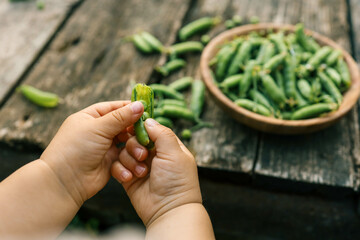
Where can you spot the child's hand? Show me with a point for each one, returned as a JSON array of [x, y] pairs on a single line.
[[83, 149], [172, 181]]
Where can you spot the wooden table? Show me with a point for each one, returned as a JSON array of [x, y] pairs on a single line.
[[74, 48]]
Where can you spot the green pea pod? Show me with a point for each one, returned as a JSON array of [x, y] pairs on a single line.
[[223, 63], [272, 90], [141, 44], [232, 96], [326, 99], [280, 81], [330, 87], [197, 97], [166, 91], [181, 84], [197, 26], [172, 102], [154, 43], [305, 56], [261, 53], [334, 76], [274, 62], [254, 20], [303, 40], [253, 106], [38, 97], [158, 112], [289, 77], [178, 113], [305, 89], [231, 81], [333, 57], [238, 60], [185, 47], [343, 69], [170, 66], [318, 58], [165, 121], [300, 101], [229, 24], [258, 97], [278, 40], [245, 83], [286, 115], [316, 87], [269, 52], [186, 134], [205, 39], [141, 92], [313, 110]]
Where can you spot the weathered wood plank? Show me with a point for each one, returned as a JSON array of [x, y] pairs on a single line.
[[24, 31], [88, 63], [325, 157]]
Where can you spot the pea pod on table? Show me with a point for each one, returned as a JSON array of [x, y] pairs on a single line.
[[197, 97], [181, 84], [197, 26], [185, 47], [39, 97], [167, 91], [170, 66]]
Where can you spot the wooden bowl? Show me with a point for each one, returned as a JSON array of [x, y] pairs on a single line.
[[268, 124]]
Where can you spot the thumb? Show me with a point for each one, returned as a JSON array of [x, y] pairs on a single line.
[[165, 140], [116, 121]]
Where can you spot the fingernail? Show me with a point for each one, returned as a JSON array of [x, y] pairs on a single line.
[[151, 122], [136, 107], [125, 175], [139, 152], [139, 170]]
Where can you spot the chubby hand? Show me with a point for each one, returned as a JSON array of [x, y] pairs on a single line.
[[160, 180], [84, 148]]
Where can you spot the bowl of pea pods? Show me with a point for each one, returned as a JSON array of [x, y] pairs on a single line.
[[280, 78]]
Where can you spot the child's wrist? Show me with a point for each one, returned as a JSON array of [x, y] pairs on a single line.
[[66, 177]]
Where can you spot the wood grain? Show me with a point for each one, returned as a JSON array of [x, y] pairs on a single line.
[[24, 31], [325, 157], [88, 62]]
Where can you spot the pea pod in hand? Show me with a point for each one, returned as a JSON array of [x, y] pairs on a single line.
[[143, 93], [40, 98]]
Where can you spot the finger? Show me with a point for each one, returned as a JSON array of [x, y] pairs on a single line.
[[137, 168], [120, 173], [116, 121], [100, 109], [165, 140], [136, 150]]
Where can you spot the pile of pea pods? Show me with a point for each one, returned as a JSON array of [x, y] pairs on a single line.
[[285, 76]]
